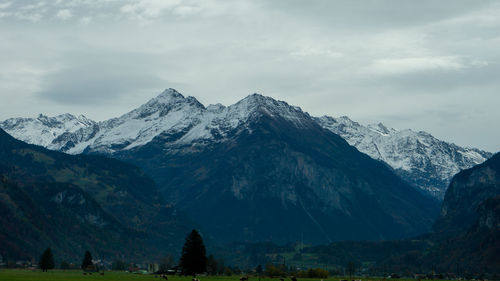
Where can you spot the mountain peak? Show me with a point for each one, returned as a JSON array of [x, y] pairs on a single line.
[[381, 129], [257, 96], [216, 107], [165, 102], [170, 92], [328, 121], [256, 99], [62, 119], [257, 104], [172, 96], [168, 96]]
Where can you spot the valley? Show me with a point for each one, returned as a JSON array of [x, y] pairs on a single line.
[[264, 181]]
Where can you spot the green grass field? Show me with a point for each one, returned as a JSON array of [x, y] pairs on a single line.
[[75, 275], [68, 275]]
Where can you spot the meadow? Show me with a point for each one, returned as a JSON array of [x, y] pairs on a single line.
[[76, 275]]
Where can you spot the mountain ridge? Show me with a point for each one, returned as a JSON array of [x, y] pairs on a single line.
[[267, 161], [418, 157], [273, 169]]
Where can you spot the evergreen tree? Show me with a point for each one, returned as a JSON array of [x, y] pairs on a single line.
[[351, 269], [87, 260], [193, 259], [119, 265], [258, 269], [65, 265], [220, 266], [47, 260], [211, 265]]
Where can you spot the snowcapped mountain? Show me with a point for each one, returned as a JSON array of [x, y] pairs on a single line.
[[241, 169], [418, 157], [168, 113], [184, 123], [43, 129], [180, 120], [266, 160]]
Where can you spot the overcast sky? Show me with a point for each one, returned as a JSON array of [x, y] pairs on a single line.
[[424, 65]]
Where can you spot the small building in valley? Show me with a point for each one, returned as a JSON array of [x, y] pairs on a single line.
[[153, 267]]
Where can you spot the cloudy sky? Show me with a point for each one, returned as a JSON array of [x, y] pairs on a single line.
[[425, 65]]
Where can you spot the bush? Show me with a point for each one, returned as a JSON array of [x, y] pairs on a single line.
[[119, 265], [273, 271], [65, 265], [313, 273]]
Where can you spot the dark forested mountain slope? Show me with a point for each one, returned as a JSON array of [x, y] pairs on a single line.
[[466, 242], [73, 203], [279, 176]]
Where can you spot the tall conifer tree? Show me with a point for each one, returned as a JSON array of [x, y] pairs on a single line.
[[47, 260], [193, 259], [87, 260]]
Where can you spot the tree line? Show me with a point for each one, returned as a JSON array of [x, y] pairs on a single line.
[[193, 260], [46, 262]]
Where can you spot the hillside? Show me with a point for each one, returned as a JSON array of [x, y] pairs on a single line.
[[73, 203]]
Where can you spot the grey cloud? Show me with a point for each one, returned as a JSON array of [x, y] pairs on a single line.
[[439, 80], [377, 14], [95, 81], [406, 63]]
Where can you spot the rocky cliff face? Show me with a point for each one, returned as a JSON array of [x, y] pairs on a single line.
[[467, 191], [467, 234], [489, 214]]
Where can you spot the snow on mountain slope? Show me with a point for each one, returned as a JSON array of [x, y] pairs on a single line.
[[169, 112], [183, 119], [180, 121], [43, 129], [418, 157]]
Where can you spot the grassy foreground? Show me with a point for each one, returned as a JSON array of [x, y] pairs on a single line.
[[67, 275], [75, 275]]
